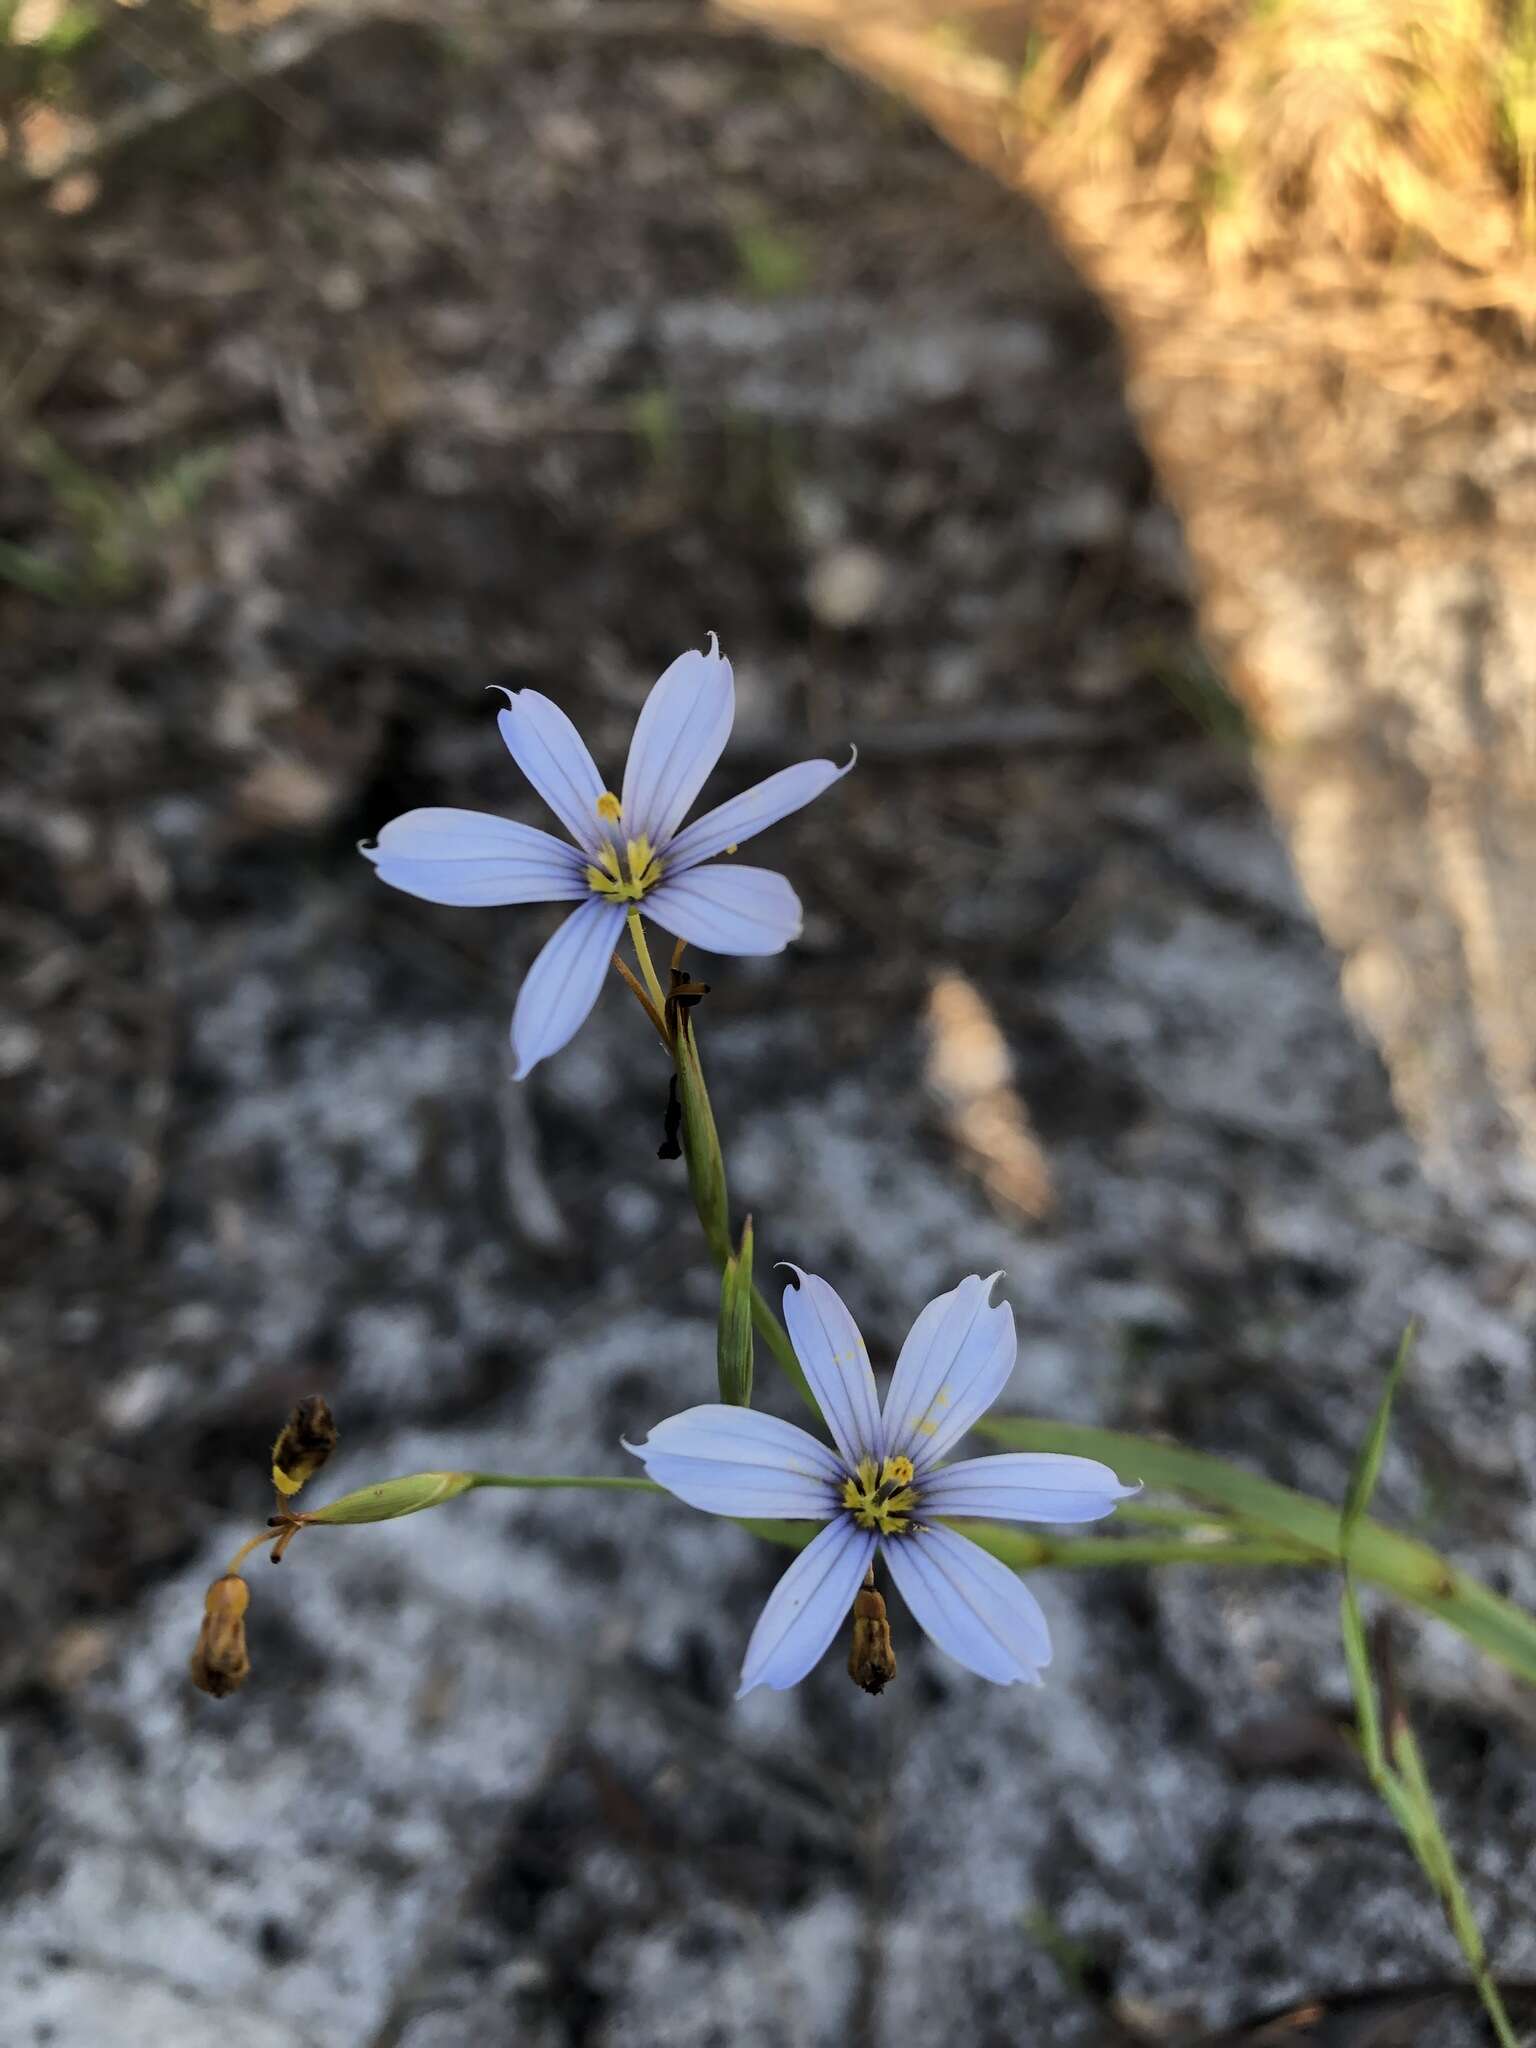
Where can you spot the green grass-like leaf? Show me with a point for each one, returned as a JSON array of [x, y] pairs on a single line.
[[1397, 1564], [1367, 1470]]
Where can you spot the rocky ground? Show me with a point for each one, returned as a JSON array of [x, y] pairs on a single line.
[[528, 350]]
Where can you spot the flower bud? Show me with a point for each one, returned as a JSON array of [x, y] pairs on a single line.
[[304, 1443], [220, 1664], [872, 1660], [734, 1344], [701, 1144], [392, 1498]]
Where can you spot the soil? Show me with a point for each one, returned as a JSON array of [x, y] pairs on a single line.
[[528, 349]]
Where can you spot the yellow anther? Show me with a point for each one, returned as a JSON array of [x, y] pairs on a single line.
[[881, 1500], [628, 881], [608, 807]]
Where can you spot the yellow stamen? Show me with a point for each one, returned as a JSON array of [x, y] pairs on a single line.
[[629, 880], [608, 807], [883, 1500]]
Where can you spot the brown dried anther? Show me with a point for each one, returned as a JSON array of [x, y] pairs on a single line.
[[304, 1443]]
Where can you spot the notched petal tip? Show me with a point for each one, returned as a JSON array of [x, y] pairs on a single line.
[[510, 695]]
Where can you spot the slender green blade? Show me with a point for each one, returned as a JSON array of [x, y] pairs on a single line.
[[1361, 1680], [1378, 1556], [1367, 1470]]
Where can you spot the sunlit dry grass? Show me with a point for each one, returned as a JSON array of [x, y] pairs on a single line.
[[1245, 134], [1375, 128]]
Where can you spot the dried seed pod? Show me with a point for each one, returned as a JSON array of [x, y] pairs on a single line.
[[221, 1664], [872, 1660]]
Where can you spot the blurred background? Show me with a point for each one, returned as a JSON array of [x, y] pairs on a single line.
[[1121, 423]]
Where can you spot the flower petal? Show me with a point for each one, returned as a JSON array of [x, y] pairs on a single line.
[[450, 856], [972, 1606], [1026, 1486], [754, 811], [738, 1461], [807, 1607], [953, 1366], [563, 983], [554, 757], [680, 735], [728, 910], [827, 1343]]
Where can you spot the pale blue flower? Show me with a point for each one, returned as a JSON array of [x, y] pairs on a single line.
[[631, 851], [883, 1487]]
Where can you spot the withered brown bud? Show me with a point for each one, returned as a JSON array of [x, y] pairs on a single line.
[[304, 1443], [220, 1664], [871, 1661]]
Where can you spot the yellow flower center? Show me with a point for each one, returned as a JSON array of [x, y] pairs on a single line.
[[626, 880], [608, 807], [881, 1500]]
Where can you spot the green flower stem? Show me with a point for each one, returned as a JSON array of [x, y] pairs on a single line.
[[1026, 1552], [647, 968], [1401, 1781], [416, 1491], [1397, 1564], [1023, 1552], [520, 1481], [1172, 1518]]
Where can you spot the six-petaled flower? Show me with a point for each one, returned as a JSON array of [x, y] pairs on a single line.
[[631, 851], [884, 1486]]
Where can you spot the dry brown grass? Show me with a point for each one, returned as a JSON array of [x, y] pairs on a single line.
[[1370, 128], [1239, 137]]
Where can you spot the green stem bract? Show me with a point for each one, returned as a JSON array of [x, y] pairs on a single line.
[[733, 1343], [706, 1180], [701, 1144], [1397, 1564]]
